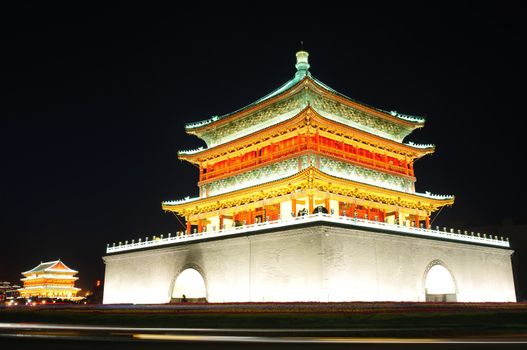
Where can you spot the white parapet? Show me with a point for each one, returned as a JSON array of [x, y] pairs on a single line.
[[319, 217]]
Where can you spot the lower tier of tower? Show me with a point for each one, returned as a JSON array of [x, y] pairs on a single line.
[[289, 207], [315, 262], [47, 291]]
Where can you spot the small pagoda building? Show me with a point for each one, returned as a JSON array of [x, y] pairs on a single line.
[[51, 279]]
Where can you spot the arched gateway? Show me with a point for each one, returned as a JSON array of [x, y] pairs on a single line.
[[189, 286], [439, 283]]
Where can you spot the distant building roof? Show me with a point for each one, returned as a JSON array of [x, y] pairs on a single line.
[[50, 266]]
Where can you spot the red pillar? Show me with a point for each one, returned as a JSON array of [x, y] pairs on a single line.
[[188, 226], [326, 204], [368, 212], [353, 208], [427, 222], [293, 205], [416, 220], [221, 222], [200, 226], [298, 141], [310, 198]]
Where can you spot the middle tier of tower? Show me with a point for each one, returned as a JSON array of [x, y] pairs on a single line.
[[288, 149]]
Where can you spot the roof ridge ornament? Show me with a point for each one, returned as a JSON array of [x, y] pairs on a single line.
[[302, 64]]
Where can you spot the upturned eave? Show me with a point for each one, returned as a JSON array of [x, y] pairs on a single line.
[[314, 85]]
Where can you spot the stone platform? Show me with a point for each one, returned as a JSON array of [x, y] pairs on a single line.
[[315, 261]]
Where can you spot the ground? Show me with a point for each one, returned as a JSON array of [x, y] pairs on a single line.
[[365, 319]]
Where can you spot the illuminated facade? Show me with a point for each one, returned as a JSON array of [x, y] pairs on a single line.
[[51, 279], [306, 148], [308, 188]]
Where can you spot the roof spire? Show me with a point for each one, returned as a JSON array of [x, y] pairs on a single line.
[[302, 64]]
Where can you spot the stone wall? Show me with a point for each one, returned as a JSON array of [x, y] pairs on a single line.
[[315, 263]]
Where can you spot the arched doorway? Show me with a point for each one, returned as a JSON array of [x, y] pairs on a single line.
[[439, 284], [189, 287]]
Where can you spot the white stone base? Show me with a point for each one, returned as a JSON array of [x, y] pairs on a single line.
[[316, 263]]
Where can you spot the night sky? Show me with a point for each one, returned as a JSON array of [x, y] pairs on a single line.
[[94, 101]]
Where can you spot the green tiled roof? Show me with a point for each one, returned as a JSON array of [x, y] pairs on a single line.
[[301, 73], [47, 266]]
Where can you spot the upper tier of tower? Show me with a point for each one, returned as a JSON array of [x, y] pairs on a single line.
[[290, 99]]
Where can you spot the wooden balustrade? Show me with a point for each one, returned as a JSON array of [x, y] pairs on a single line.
[[307, 143]]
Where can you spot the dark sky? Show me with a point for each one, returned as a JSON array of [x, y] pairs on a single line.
[[94, 99]]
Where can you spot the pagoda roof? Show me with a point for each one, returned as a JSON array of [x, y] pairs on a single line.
[[46, 276], [287, 100], [309, 174], [409, 148], [289, 85], [50, 266]]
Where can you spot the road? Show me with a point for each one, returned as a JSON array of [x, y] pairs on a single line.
[[27, 336]]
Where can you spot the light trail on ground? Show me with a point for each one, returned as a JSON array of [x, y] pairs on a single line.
[[165, 329], [228, 335]]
